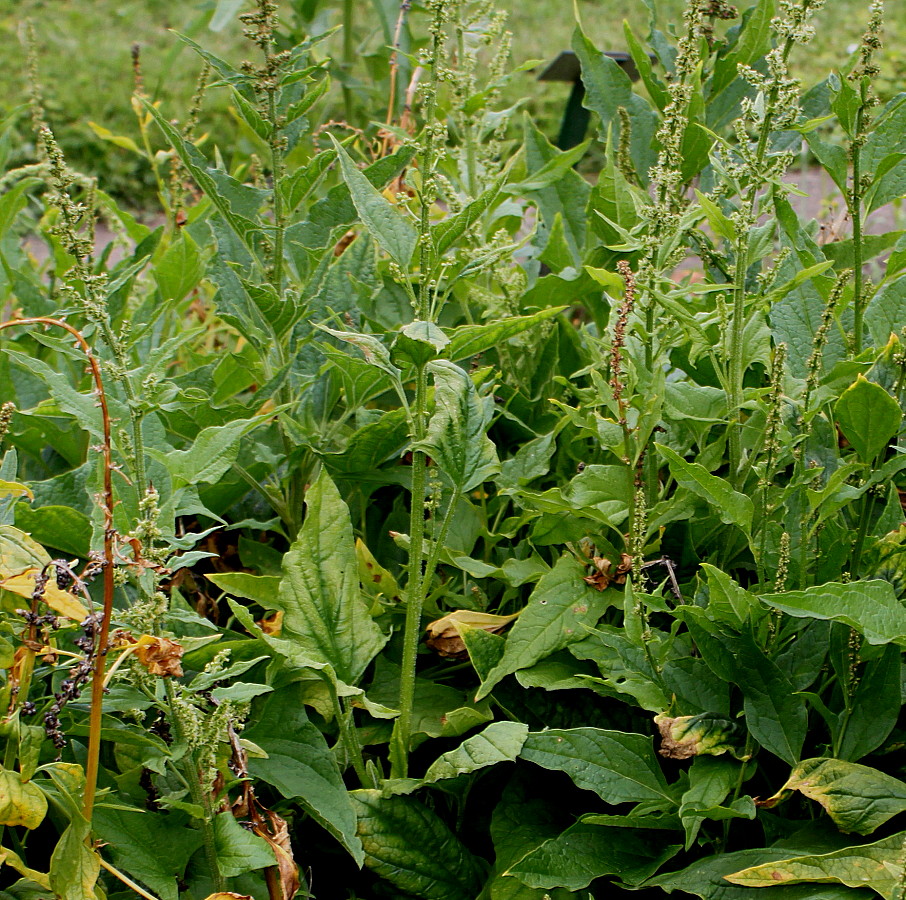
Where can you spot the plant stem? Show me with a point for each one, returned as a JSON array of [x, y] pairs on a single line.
[[199, 797], [348, 56], [415, 589], [100, 658], [855, 210]]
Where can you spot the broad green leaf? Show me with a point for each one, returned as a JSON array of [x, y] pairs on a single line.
[[732, 507], [710, 781], [618, 767], [719, 222], [567, 196], [419, 341], [60, 527], [586, 852], [21, 802], [868, 417], [325, 615], [499, 742], [878, 866], [470, 340], [857, 798], [875, 705], [238, 850], [885, 312], [607, 88], [871, 607], [213, 453], [727, 600], [301, 765], [774, 714], [558, 612], [179, 269], [457, 433], [448, 231], [484, 648], [129, 835], [261, 589], [74, 867], [387, 225], [412, 848]]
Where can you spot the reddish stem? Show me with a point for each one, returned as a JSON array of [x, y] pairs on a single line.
[[100, 658]]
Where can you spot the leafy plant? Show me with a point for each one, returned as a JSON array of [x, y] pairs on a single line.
[[630, 450]]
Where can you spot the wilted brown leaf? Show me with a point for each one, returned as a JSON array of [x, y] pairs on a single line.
[[604, 571], [160, 656], [272, 624], [229, 895], [443, 634], [277, 835]]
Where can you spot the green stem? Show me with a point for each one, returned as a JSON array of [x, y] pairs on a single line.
[[415, 589], [348, 55], [855, 209], [199, 797]]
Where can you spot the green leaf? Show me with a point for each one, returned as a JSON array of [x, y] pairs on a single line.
[[732, 507], [74, 867], [206, 178], [419, 342], [213, 453], [586, 852], [558, 612], [470, 340], [857, 798], [131, 833], [413, 849], [387, 225], [60, 527], [21, 802], [871, 607], [774, 714], [885, 312], [457, 433], [878, 866], [499, 742], [239, 851], [868, 417], [260, 589], [618, 767], [719, 222], [179, 269], [301, 765], [727, 600], [875, 706], [607, 88], [325, 615]]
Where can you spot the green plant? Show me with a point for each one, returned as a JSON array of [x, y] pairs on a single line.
[[629, 449]]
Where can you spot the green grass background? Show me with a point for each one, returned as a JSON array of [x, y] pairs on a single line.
[[85, 64]]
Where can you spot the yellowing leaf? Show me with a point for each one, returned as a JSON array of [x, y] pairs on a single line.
[[21, 802], [877, 866], [14, 861], [444, 634], [61, 602], [14, 489], [857, 798]]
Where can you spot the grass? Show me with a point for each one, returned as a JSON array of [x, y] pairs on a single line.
[[85, 62]]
